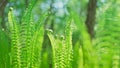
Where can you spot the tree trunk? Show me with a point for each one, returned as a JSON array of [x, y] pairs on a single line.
[[90, 19], [3, 3], [26, 3]]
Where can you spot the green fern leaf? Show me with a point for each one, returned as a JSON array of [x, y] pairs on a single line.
[[15, 41]]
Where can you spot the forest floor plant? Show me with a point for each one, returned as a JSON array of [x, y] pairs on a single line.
[[62, 48], [26, 38]]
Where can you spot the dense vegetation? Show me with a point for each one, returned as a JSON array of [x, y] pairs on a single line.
[[27, 43]]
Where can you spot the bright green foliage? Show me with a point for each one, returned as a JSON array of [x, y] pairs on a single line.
[[77, 56], [15, 42], [4, 49], [26, 40], [107, 37], [45, 60], [62, 49], [26, 36], [116, 59], [87, 48]]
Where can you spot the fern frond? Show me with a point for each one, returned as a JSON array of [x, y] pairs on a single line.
[[62, 49], [37, 38], [15, 41], [36, 48], [107, 36], [116, 57], [87, 47], [68, 44], [54, 45], [26, 35]]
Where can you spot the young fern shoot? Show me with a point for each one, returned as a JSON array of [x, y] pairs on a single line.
[[15, 40], [62, 48]]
